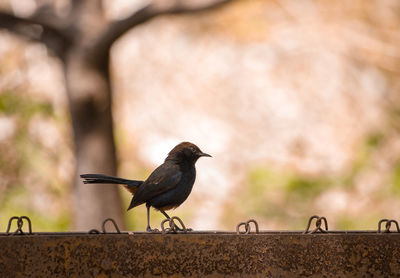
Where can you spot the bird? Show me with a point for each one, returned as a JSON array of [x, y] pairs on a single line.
[[167, 187]]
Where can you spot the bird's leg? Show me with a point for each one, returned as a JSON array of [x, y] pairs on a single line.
[[148, 228], [165, 214]]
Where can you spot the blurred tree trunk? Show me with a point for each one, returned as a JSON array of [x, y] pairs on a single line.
[[82, 41], [89, 96], [90, 106]]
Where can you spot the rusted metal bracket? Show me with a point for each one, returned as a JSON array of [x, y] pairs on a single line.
[[388, 225], [247, 227], [173, 227], [103, 226], [318, 224], [20, 223]]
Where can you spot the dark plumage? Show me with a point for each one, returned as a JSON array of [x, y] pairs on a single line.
[[167, 187]]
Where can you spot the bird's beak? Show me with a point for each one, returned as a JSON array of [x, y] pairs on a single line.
[[204, 154]]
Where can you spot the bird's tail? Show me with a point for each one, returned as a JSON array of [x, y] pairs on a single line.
[[131, 185]]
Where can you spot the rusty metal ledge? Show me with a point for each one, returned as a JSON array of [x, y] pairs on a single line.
[[201, 254]]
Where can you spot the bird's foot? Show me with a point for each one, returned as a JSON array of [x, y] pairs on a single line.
[[150, 230], [174, 227]]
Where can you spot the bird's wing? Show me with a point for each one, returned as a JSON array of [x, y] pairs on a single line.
[[164, 178]]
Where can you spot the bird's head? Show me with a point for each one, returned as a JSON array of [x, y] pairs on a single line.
[[186, 152]]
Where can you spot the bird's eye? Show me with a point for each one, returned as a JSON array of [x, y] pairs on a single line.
[[193, 149]]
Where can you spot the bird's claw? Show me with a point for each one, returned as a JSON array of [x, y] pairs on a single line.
[[173, 226], [150, 230]]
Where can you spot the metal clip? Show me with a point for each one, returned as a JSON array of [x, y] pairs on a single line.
[[318, 223], [103, 226], [388, 225], [247, 227], [173, 227], [20, 223], [112, 221]]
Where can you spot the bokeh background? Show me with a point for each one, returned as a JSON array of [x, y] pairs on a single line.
[[297, 101]]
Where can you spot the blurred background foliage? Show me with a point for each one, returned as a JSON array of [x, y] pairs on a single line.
[[297, 101], [32, 182]]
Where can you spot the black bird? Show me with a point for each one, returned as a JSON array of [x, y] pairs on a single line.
[[167, 187]]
